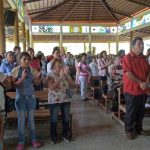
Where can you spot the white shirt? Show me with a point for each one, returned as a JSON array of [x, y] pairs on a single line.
[[93, 68], [49, 67]]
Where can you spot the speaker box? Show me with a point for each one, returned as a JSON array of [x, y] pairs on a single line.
[[9, 17]]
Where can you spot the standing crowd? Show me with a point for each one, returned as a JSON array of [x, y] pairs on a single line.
[[24, 72]]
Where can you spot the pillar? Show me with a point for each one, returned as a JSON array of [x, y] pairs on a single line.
[[31, 40], [28, 38], [84, 47], [23, 35], [90, 39], [109, 48], [2, 29], [61, 38], [16, 34], [117, 43], [131, 38]]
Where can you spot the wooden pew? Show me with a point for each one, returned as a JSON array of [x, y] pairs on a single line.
[[41, 95], [122, 108], [105, 99], [41, 114], [94, 88]]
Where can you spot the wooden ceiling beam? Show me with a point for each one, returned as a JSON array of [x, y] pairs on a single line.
[[143, 31], [38, 11], [109, 11], [120, 13], [52, 8], [30, 1], [91, 10], [139, 3], [72, 10]]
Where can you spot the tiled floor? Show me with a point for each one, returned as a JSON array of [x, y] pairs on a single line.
[[93, 129]]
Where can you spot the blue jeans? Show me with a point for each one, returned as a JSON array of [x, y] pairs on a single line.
[[25, 104], [54, 113], [83, 86]]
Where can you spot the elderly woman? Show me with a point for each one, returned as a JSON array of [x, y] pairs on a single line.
[[8, 63]]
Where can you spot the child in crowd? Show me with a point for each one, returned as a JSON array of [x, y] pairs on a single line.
[[23, 77], [58, 99]]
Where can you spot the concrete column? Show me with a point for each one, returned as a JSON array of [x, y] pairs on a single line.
[[31, 40], [117, 43], [131, 38], [2, 29], [23, 35], [109, 48], [28, 38], [90, 39], [16, 35], [84, 47], [61, 38]]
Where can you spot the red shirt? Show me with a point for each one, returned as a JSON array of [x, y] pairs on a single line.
[[35, 63], [49, 58], [139, 66]]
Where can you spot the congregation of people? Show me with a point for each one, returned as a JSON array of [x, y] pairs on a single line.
[[26, 72]]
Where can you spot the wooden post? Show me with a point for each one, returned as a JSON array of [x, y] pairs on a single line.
[[2, 29], [131, 38], [61, 38], [23, 35], [109, 48], [90, 39], [84, 47], [16, 36], [28, 38], [31, 41], [117, 43]]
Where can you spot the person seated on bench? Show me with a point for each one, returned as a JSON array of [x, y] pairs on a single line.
[[22, 78], [58, 99], [114, 81]]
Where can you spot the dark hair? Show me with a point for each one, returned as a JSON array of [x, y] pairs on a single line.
[[120, 52], [1, 56], [101, 54], [83, 54], [24, 54], [16, 47], [68, 53], [148, 50], [55, 49], [94, 57], [134, 41], [53, 62], [10, 52], [30, 49]]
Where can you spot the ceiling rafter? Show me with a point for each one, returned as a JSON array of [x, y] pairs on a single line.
[[120, 12], [143, 31], [140, 3], [109, 11], [53, 8], [91, 10], [38, 11], [30, 1], [72, 9]]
